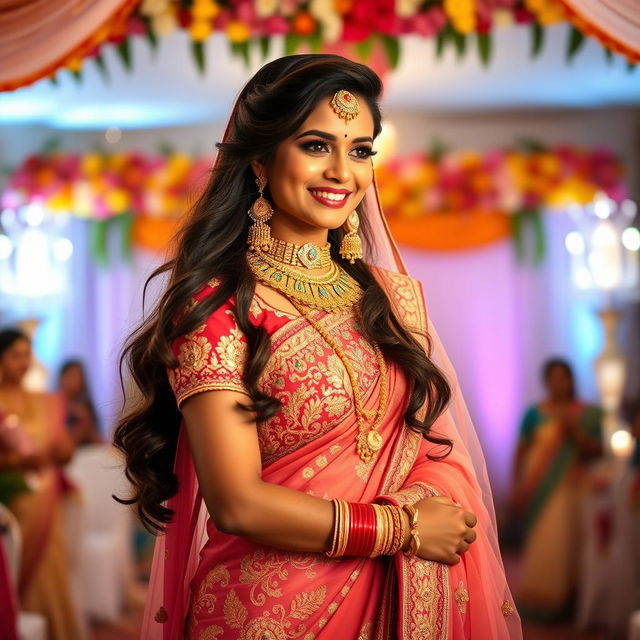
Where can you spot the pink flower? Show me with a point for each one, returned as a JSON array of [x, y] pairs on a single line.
[[274, 25]]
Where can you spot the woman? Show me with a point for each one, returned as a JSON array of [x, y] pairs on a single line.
[[82, 421], [557, 437], [44, 577], [311, 387]]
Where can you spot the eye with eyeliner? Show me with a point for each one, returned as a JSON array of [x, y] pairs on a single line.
[[308, 146]]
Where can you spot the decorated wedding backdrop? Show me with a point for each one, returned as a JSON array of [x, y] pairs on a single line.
[[38, 38], [438, 199]]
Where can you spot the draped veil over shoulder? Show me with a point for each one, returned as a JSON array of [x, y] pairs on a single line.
[[259, 593]]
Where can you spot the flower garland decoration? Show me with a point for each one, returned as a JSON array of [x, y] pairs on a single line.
[[444, 200], [355, 28], [462, 199]]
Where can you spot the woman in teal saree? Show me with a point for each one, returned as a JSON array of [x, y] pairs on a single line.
[[558, 437]]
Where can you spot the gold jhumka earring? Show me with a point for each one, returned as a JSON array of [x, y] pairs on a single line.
[[345, 104], [351, 246], [260, 211]]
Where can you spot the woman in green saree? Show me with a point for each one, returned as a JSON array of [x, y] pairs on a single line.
[[558, 437]]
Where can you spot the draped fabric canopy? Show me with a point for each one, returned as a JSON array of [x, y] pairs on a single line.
[[616, 23], [39, 36]]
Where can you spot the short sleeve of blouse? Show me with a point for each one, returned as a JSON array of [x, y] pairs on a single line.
[[210, 357]]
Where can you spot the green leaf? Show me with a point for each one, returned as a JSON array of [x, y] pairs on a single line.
[[576, 41], [460, 43], [537, 39], [166, 149], [124, 53], [364, 49], [149, 33], [265, 42], [517, 235], [608, 55], [291, 43], [392, 49], [484, 48], [77, 76], [530, 145], [437, 149], [315, 42], [54, 80], [51, 145], [441, 39], [631, 66], [198, 53], [102, 67], [242, 49], [539, 246], [99, 230], [125, 224]]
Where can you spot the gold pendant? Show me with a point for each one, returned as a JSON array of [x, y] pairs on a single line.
[[369, 444]]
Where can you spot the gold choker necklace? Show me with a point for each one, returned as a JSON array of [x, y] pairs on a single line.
[[330, 291], [307, 255]]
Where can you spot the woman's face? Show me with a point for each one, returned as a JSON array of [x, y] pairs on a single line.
[[72, 381], [15, 361], [327, 154], [559, 382]]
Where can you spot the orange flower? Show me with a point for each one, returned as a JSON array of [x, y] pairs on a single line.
[[304, 24]]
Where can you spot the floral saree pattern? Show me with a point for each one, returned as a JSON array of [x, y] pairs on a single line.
[[248, 591]]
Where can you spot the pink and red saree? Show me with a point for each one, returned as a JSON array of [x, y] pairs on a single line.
[[209, 585]]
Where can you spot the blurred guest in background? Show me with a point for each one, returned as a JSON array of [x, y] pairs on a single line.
[[557, 437], [82, 419], [36, 444]]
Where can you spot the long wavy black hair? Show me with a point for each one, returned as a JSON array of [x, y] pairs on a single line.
[[271, 107]]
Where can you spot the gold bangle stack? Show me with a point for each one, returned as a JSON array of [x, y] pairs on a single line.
[[391, 529], [414, 544], [340, 528]]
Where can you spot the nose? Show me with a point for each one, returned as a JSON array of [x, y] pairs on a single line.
[[338, 168]]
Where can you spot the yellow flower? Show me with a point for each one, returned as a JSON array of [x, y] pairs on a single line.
[[91, 164], [153, 7], [200, 30], [164, 23], [502, 18], [238, 31], [118, 200], [407, 8], [204, 10], [266, 8], [551, 15]]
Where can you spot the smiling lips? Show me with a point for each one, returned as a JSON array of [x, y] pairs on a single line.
[[334, 198]]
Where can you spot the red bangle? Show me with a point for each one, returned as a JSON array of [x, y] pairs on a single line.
[[362, 529]]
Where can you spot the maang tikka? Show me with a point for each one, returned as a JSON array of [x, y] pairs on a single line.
[[260, 211], [346, 106]]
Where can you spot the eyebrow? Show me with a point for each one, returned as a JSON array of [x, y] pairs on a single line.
[[330, 136]]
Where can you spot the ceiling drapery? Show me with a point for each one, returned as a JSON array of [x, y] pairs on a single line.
[[37, 37], [40, 37], [616, 23]]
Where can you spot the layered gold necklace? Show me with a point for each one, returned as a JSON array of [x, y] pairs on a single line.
[[331, 291]]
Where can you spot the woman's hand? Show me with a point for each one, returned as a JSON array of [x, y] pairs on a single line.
[[445, 529]]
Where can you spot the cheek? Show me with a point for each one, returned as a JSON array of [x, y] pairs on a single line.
[[292, 173]]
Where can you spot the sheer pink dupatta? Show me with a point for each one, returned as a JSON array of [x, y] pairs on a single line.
[[176, 553]]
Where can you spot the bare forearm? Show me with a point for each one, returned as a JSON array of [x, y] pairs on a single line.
[[284, 518]]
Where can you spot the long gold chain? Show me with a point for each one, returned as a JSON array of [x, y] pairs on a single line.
[[368, 442], [331, 291]]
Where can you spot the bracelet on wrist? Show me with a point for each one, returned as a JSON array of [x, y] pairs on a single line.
[[366, 529], [414, 543]]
